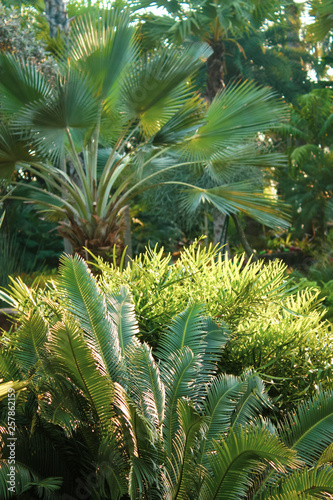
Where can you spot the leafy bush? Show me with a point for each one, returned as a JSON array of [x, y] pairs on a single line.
[[100, 418], [275, 329]]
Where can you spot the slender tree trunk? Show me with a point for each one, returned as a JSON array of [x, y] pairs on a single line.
[[56, 15], [128, 235], [244, 242]]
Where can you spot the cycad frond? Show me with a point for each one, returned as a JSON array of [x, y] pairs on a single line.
[[29, 341], [186, 329], [223, 396], [179, 376], [247, 451], [84, 368], [184, 469], [122, 313], [310, 429], [86, 302], [304, 484], [145, 384], [251, 403]]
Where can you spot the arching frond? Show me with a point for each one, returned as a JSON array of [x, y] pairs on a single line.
[[242, 454], [310, 429], [86, 302]]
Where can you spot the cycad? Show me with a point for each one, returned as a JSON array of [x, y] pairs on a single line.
[[143, 424], [120, 120]]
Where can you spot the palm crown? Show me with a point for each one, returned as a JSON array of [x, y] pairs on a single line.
[[116, 120]]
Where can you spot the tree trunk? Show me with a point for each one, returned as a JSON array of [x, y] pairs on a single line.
[[128, 236], [56, 15], [244, 242], [221, 230], [215, 71]]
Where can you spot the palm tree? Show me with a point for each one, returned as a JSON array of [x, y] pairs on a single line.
[[122, 120], [217, 24], [118, 421]]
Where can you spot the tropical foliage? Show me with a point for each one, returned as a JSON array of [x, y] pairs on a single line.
[[114, 121], [115, 420], [274, 327]]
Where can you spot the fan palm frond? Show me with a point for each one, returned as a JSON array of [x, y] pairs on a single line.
[[232, 198], [21, 82], [234, 116]]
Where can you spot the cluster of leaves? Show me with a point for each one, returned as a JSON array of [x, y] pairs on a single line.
[[19, 31], [277, 330], [307, 184], [115, 421]]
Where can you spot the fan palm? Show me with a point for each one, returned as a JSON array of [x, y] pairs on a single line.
[[118, 121], [142, 424]]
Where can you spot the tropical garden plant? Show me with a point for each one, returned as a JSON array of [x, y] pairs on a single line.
[[114, 121], [99, 415], [275, 326]]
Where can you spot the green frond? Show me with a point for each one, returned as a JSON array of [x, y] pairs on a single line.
[[235, 115], [240, 196], [121, 309], [303, 484], [86, 302], [145, 384], [240, 456], [186, 329], [251, 403], [75, 358], [156, 88], [113, 469], [29, 340], [23, 477], [179, 376], [302, 153], [310, 429], [72, 105], [223, 397], [186, 443], [326, 457], [14, 151], [183, 123], [102, 47], [228, 163], [20, 82]]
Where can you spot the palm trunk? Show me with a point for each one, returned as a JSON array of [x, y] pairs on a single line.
[[56, 15], [215, 71]]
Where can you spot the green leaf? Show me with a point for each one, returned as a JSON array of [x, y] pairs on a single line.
[[231, 198]]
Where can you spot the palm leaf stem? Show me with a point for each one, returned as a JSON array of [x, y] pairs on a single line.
[[108, 169], [76, 193], [103, 192], [56, 208], [151, 176], [92, 167], [79, 168]]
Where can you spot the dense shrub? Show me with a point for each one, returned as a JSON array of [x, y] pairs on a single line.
[[275, 328]]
